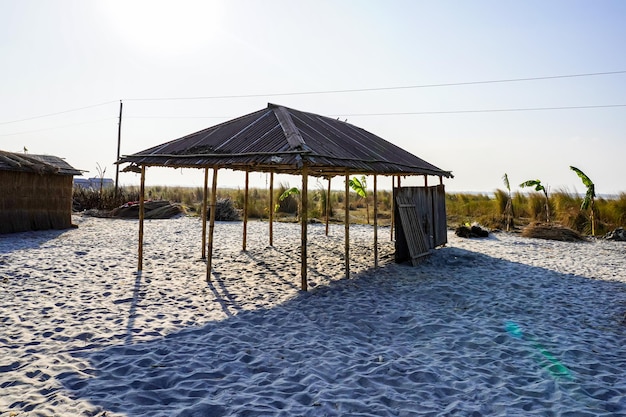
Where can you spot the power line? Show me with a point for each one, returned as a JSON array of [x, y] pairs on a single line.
[[520, 109], [57, 113], [56, 127], [602, 106], [406, 87], [179, 117], [417, 113]]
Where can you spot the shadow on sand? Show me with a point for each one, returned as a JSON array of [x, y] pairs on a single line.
[[28, 240], [463, 334]]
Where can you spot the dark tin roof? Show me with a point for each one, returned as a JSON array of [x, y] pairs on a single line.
[[41, 164], [281, 139]]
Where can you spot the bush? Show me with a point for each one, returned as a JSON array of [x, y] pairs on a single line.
[[224, 210], [89, 198]]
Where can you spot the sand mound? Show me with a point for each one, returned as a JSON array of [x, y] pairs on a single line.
[[550, 231]]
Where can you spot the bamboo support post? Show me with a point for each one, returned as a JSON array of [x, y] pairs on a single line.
[[347, 224], [142, 192], [304, 220], [204, 210], [211, 225], [375, 222], [245, 211], [328, 205], [271, 211], [393, 209]]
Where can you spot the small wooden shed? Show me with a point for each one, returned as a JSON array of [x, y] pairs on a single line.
[[281, 140], [35, 192]]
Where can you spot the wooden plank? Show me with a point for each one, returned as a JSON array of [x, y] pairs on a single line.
[[415, 238]]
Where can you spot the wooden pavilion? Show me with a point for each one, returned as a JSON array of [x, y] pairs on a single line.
[[281, 140]]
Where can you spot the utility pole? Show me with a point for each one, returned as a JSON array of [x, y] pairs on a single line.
[[119, 142]]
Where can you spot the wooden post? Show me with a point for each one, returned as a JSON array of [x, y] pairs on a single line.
[[440, 180], [425, 180], [271, 209], [245, 211], [142, 192], [393, 208], [304, 220], [347, 224], [211, 225], [328, 205], [375, 223], [119, 143], [433, 225], [204, 210]]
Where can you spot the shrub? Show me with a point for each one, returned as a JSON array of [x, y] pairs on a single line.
[[224, 210]]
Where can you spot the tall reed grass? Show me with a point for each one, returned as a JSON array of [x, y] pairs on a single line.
[[461, 208], [564, 207], [258, 201]]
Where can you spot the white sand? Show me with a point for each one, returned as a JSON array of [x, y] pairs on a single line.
[[502, 326]]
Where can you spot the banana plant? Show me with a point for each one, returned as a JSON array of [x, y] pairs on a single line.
[[590, 195], [360, 187], [539, 187], [293, 191]]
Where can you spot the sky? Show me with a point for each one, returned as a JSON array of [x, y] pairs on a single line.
[[480, 88]]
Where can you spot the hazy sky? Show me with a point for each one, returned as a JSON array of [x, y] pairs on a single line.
[[64, 55]]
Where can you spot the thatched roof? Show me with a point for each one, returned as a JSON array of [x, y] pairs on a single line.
[[279, 139], [40, 164]]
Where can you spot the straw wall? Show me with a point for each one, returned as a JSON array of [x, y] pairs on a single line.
[[30, 201]]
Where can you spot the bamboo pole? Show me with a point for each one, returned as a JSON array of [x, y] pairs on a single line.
[[245, 211], [347, 224], [393, 208], [204, 210], [119, 144], [271, 209], [328, 205], [211, 225], [375, 222], [304, 220], [142, 192]]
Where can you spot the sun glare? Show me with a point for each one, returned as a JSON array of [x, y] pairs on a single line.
[[164, 27]]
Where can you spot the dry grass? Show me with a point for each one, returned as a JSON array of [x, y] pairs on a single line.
[[461, 208], [529, 208], [551, 231]]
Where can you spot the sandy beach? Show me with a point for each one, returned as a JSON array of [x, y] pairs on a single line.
[[502, 326]]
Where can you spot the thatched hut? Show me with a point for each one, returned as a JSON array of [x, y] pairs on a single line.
[[35, 192], [280, 140]]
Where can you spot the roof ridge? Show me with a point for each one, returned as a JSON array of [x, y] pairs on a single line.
[[292, 133]]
